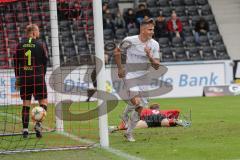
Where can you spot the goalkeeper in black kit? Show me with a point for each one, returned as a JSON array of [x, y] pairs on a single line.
[[30, 64]]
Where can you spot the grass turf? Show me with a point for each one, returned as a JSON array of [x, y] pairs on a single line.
[[214, 134]]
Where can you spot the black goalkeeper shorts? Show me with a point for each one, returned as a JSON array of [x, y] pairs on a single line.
[[154, 120], [33, 85]]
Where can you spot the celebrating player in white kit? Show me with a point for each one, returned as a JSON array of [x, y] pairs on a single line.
[[142, 51]]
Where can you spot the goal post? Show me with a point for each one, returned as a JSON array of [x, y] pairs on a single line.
[[101, 80], [55, 57]]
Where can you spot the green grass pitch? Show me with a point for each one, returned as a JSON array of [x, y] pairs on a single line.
[[214, 134]]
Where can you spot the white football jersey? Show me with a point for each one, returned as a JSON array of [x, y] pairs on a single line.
[[136, 54]]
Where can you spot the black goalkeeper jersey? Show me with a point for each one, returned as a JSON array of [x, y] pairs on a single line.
[[30, 58]]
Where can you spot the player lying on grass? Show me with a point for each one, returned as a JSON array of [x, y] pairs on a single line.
[[153, 117]]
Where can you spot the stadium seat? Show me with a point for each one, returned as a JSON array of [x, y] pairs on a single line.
[[216, 40], [10, 17], [167, 55], [192, 10], [210, 19], [155, 11], [36, 17], [163, 42], [177, 42], [82, 45], [189, 2], [205, 10], [21, 17], [89, 13], [68, 44], [177, 3], [190, 41], [194, 54], [163, 3], [109, 47], [202, 2], [108, 34], [221, 52], [151, 3], [193, 20], [64, 25], [213, 29], [203, 40], [85, 4], [133, 31], [180, 54], [11, 27], [120, 33], [207, 53], [187, 31], [113, 4], [79, 35], [180, 10], [166, 11]]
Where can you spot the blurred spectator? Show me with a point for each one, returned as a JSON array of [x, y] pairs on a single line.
[[104, 7], [76, 12], [130, 19], [63, 10], [119, 22], [201, 29], [174, 26], [108, 22], [160, 29], [142, 13]]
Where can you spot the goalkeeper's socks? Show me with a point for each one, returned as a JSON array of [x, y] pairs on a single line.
[[44, 107], [25, 116]]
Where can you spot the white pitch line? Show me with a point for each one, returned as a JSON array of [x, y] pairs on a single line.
[[108, 149]]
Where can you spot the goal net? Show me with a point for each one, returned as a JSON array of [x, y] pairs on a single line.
[[71, 122]]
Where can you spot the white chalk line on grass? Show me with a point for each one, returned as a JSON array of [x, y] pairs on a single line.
[[108, 149]]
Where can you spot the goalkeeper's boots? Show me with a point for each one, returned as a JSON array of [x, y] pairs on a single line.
[[112, 129], [183, 123], [38, 129], [25, 133]]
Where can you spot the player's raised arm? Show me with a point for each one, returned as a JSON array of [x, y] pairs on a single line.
[[117, 57]]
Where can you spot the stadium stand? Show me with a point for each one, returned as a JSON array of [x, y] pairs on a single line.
[[76, 29]]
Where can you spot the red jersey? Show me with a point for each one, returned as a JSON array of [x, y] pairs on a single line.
[[166, 113]]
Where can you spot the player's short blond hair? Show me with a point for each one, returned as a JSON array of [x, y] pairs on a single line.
[[31, 28], [154, 106], [147, 21]]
